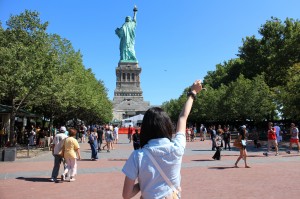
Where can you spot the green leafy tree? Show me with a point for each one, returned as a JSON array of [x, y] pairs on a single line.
[[25, 61], [274, 53], [289, 96]]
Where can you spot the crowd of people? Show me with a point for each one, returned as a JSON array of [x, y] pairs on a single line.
[[105, 137], [154, 166]]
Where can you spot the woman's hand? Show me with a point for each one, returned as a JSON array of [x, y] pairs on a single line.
[[196, 87]]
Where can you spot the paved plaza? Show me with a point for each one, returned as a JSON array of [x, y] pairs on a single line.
[[273, 177]]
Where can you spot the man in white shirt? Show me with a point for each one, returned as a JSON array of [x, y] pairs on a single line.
[[56, 146]]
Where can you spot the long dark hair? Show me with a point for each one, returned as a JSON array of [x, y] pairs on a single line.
[[156, 124]]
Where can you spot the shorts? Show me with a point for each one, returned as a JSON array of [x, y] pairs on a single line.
[[294, 140], [272, 142]]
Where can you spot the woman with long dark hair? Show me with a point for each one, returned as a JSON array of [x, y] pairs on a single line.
[[157, 164], [243, 150]]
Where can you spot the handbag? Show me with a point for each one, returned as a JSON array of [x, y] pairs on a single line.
[[237, 143], [62, 149], [175, 194]]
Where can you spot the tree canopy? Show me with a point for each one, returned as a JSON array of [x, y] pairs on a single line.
[[44, 74], [261, 84]]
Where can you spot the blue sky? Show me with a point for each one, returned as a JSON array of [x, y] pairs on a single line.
[[177, 41]]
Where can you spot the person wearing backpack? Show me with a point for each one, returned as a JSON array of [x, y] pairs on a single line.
[[93, 141]]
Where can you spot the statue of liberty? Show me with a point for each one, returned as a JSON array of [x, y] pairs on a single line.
[[127, 38]]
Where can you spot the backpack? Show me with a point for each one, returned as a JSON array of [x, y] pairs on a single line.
[[91, 138]]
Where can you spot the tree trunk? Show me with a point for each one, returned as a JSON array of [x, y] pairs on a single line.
[[12, 124]]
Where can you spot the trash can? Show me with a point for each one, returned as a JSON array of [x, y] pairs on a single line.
[[10, 154], [1, 154]]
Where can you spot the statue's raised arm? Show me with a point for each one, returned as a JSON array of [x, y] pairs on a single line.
[[134, 13], [127, 38]]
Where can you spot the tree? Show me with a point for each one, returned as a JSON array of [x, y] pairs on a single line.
[[25, 60], [289, 95], [274, 53]]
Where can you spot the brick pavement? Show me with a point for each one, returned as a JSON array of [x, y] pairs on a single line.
[[269, 177]]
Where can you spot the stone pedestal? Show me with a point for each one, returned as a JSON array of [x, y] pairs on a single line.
[[128, 96]]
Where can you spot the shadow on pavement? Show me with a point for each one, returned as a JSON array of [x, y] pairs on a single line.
[[221, 168], [203, 160], [34, 179], [251, 156], [118, 159], [202, 150]]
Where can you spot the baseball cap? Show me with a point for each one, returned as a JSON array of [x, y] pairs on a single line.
[[244, 126], [63, 129]]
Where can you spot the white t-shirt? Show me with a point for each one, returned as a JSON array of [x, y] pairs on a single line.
[[57, 142], [295, 133]]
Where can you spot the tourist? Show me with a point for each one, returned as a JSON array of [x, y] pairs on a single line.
[[218, 141], [188, 134], [93, 141], [203, 132], [56, 146], [243, 150], [71, 153], [116, 134], [294, 132], [108, 138], [100, 137], [32, 135], [158, 149], [272, 140], [227, 138], [136, 139], [130, 131], [212, 137]]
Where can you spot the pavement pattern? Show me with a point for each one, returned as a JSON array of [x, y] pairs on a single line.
[[272, 177]]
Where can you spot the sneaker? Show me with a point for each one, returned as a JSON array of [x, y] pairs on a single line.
[[265, 154], [108, 151], [63, 177], [72, 179], [52, 180], [288, 152], [276, 154]]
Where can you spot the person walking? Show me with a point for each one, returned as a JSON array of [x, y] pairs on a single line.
[[213, 134], [272, 140], [116, 134], [108, 138], [130, 130], [71, 153], [218, 141], [160, 153], [93, 141], [55, 148], [294, 132], [243, 150]]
